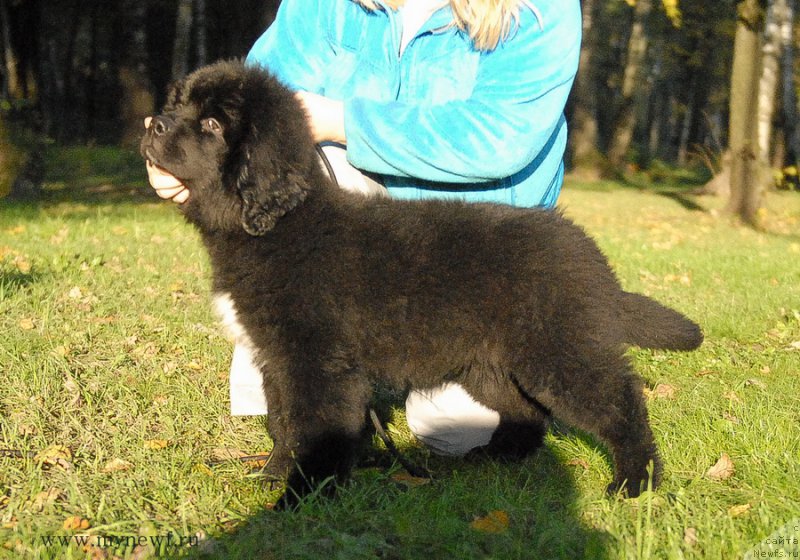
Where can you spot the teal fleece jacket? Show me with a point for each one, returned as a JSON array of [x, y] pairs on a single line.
[[441, 119]]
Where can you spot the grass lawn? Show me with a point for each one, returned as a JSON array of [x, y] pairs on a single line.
[[114, 399]]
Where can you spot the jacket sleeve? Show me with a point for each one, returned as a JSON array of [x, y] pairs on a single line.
[[517, 103], [291, 48]]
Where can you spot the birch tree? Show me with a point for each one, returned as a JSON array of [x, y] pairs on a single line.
[[631, 84], [777, 37]]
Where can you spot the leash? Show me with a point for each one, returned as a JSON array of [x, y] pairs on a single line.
[[410, 467], [327, 164]]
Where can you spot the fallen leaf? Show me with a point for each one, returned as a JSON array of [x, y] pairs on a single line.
[[200, 467], [44, 499], [661, 391], [169, 367], [75, 523], [495, 522], [117, 465], [22, 264], [730, 418], [683, 279], [55, 455], [94, 552], [736, 511], [156, 444], [723, 469], [690, 536], [59, 237], [255, 464], [72, 388], [733, 397], [227, 453], [756, 382], [60, 351], [408, 480], [578, 463]]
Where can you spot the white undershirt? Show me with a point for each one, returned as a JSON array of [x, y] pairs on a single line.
[[413, 15]]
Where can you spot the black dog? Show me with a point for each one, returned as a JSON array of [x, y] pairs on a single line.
[[334, 291]]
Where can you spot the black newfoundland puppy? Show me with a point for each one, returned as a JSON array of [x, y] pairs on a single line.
[[335, 291]]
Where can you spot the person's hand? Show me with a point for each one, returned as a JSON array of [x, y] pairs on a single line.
[[167, 186], [325, 115]]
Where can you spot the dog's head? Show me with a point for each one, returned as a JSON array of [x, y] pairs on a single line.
[[239, 141]]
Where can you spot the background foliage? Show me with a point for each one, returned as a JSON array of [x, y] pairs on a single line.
[[85, 70]]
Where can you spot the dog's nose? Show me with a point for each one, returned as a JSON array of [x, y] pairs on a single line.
[[160, 125]]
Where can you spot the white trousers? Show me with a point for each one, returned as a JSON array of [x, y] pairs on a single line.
[[446, 419]]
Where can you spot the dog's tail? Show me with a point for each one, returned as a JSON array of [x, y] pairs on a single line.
[[649, 324]]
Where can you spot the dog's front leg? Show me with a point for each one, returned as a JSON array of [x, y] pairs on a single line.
[[316, 425]]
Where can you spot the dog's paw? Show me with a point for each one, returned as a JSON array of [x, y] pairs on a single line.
[[625, 490], [634, 486]]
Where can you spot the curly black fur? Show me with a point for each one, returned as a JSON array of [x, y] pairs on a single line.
[[337, 291]]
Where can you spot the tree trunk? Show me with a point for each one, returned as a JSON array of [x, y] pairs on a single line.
[[10, 160], [11, 85], [745, 184], [137, 97], [183, 35], [791, 130], [587, 161], [777, 35], [687, 121], [201, 46], [622, 136]]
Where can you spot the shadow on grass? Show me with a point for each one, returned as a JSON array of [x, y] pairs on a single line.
[[374, 516], [13, 281], [683, 193], [99, 175], [683, 198]]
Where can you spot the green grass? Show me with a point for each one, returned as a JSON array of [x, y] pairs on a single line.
[[110, 349]]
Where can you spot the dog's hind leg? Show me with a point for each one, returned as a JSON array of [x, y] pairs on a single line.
[[518, 435], [523, 421], [604, 398]]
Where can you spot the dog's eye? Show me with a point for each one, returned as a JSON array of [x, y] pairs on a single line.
[[211, 125]]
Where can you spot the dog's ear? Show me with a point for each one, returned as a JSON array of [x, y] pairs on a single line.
[[268, 186]]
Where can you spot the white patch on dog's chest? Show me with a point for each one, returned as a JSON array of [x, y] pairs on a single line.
[[226, 309], [246, 389]]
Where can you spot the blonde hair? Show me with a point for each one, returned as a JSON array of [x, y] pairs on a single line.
[[487, 22]]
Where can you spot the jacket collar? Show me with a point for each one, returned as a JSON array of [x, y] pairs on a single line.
[[439, 21]]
